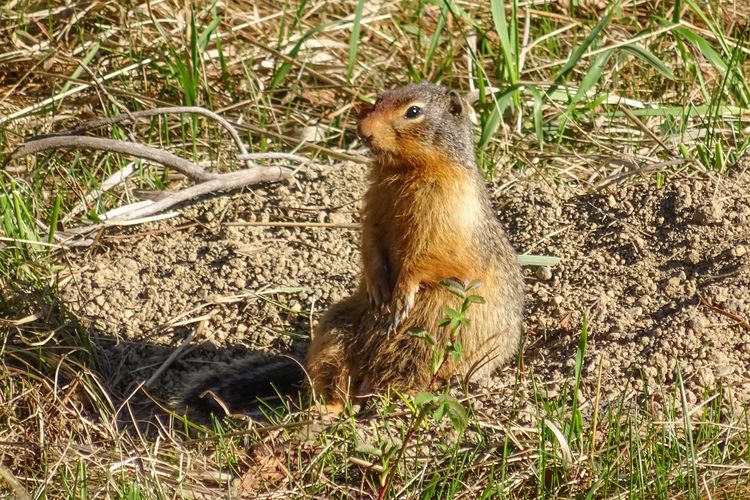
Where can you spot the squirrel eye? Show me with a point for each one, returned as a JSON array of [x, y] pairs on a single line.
[[413, 112]]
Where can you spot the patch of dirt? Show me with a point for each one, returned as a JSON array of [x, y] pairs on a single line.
[[250, 285], [662, 274]]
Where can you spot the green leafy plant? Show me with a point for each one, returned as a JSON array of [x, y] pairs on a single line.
[[437, 405]]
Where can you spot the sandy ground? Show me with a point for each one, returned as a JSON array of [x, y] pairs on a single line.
[[661, 274]]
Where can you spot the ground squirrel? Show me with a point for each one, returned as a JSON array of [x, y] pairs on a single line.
[[426, 217]]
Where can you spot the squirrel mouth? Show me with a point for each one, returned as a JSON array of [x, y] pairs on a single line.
[[378, 152], [368, 141]]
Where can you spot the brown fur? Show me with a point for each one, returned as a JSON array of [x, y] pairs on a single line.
[[426, 217]]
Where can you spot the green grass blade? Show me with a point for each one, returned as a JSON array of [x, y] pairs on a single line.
[[354, 39], [286, 66], [435, 40], [579, 51], [538, 117], [538, 260], [706, 49], [700, 13], [502, 99], [688, 429], [205, 35], [648, 57], [676, 11], [589, 80], [79, 69], [503, 31], [54, 218], [576, 420]]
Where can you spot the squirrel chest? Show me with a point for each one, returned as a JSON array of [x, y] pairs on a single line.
[[427, 220]]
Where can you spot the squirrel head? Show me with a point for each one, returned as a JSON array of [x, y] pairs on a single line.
[[417, 125]]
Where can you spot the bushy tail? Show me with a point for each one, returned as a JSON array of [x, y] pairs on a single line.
[[236, 387]]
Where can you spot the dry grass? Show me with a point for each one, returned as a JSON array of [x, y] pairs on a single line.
[[281, 73]]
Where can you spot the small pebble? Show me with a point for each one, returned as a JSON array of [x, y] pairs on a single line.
[[543, 273]]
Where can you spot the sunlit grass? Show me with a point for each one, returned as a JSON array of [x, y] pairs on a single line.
[[645, 81]]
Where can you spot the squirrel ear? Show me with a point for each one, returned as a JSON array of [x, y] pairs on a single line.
[[456, 106], [362, 108]]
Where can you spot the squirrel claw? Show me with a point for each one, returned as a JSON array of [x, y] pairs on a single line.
[[401, 310]]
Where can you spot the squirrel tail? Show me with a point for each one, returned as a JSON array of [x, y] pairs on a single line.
[[236, 387]]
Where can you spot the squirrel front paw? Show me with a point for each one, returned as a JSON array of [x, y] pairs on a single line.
[[378, 290], [401, 307]]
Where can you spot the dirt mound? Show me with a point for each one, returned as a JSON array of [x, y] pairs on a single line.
[[662, 274]]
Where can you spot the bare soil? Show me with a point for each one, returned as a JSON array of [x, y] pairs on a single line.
[[661, 274]]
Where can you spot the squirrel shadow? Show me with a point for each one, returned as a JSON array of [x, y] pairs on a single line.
[[140, 384]]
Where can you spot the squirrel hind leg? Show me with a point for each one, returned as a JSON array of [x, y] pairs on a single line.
[[330, 371]]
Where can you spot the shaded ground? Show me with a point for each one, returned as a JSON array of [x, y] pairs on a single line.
[[636, 260]]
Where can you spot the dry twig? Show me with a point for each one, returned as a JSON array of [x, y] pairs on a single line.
[[208, 182]]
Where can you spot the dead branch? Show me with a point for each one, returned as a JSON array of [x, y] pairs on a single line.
[[170, 110], [222, 182], [207, 182], [160, 156]]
